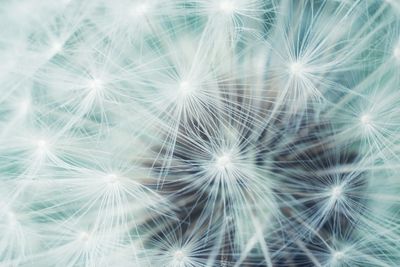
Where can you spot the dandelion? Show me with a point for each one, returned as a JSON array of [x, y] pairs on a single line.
[[200, 133]]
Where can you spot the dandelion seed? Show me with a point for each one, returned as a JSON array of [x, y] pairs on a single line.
[[199, 133]]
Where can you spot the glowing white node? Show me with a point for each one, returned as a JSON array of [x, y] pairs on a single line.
[[296, 68], [23, 107], [185, 88], [396, 52], [12, 219], [224, 161], [84, 236], [139, 10], [338, 255], [365, 119], [42, 144], [259, 64], [179, 256], [112, 178], [95, 84], [56, 47], [227, 7], [336, 192]]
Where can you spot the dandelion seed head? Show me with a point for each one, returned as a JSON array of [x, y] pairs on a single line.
[[199, 133]]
